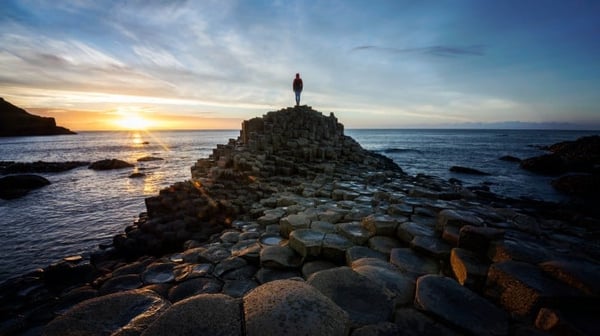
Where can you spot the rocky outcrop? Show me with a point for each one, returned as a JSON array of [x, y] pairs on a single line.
[[587, 185], [284, 241], [11, 167], [109, 164], [15, 121], [579, 159], [467, 170], [15, 186]]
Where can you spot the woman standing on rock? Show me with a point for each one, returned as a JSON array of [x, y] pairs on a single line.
[[297, 86]]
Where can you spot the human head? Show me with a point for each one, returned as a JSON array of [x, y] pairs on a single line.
[[297, 75]]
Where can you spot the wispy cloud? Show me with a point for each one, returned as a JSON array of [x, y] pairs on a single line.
[[237, 58], [437, 50]]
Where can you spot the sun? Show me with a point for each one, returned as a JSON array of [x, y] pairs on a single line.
[[133, 123], [132, 120]]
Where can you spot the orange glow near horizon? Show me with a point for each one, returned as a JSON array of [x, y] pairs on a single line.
[[134, 119]]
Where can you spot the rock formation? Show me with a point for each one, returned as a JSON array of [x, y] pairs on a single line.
[[15, 186], [577, 161], [15, 121], [109, 164], [293, 228]]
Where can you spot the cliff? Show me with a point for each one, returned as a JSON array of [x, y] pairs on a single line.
[[15, 121]]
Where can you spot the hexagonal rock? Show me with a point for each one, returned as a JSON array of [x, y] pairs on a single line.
[[204, 314], [519, 250], [478, 239], [268, 219], [448, 300], [401, 286], [334, 247], [282, 257], [469, 269], [409, 261], [228, 265], [357, 252], [523, 289], [409, 230], [354, 232], [324, 227], [380, 225], [374, 262], [216, 253], [194, 255], [315, 266], [431, 246], [120, 284], [580, 274], [120, 313], [193, 287], [158, 273], [364, 301], [340, 195], [238, 288], [332, 215], [265, 275], [288, 307], [414, 323], [383, 244], [456, 218], [400, 209], [293, 222], [307, 242]]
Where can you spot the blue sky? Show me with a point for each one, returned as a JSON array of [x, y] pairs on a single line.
[[211, 64]]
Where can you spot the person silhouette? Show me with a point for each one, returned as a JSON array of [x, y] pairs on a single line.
[[297, 86]]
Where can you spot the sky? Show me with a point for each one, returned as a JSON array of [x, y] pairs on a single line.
[[375, 64]]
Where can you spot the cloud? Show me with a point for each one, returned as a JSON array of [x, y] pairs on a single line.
[[438, 50]]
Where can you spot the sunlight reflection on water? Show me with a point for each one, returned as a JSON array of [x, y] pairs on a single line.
[[83, 207]]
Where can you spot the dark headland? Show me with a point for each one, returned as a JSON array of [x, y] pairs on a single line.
[[15, 121], [294, 229]]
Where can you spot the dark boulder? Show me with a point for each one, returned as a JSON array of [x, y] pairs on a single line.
[[581, 155], [9, 167], [137, 175], [149, 158], [16, 186], [578, 184], [548, 164], [467, 170], [108, 164], [509, 158]]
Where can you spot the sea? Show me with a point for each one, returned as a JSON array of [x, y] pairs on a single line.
[[83, 208]]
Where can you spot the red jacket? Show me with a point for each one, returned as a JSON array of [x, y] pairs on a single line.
[[297, 84]]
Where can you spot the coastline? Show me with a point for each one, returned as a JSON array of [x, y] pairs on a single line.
[[337, 208]]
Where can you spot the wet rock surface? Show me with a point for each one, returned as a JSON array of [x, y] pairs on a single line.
[[293, 228]]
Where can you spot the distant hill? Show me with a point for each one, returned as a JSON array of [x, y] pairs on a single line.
[[15, 121]]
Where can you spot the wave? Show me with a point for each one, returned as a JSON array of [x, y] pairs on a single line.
[[392, 150]]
